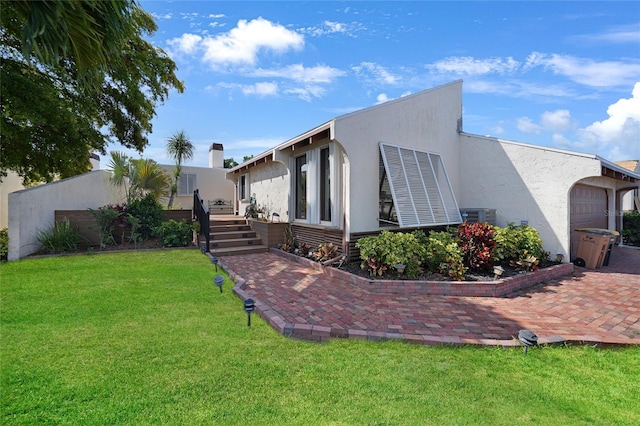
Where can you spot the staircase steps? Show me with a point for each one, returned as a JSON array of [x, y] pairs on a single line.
[[229, 237]]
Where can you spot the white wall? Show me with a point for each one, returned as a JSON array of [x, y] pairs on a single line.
[[33, 209], [270, 182], [524, 182], [12, 182], [426, 121], [211, 182]]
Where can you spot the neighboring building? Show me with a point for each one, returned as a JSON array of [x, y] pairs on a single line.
[[407, 164], [210, 181], [631, 200], [32, 209]]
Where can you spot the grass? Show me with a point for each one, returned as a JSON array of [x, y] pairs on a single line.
[[146, 338]]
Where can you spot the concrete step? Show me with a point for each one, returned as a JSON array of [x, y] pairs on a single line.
[[231, 235], [231, 251], [234, 242]]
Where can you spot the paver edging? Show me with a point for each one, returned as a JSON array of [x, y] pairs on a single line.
[[495, 288]]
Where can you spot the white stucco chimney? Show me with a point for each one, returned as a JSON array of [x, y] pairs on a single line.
[[216, 155], [94, 159]]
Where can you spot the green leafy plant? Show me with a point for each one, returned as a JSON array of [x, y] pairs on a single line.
[[4, 244], [631, 228], [289, 243], [59, 238], [174, 233], [106, 218], [149, 212], [382, 252], [444, 255], [512, 241], [477, 243]]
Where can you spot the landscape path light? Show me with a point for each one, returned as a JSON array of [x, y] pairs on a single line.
[[527, 338], [219, 280], [498, 271], [214, 260], [249, 306]]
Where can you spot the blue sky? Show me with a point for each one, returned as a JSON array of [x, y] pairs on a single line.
[[559, 74]]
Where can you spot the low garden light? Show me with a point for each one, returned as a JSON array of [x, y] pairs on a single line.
[[559, 257], [249, 306], [498, 271], [203, 248], [214, 260], [218, 280], [528, 338], [400, 268]]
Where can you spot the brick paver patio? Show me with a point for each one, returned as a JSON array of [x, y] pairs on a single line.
[[592, 306]]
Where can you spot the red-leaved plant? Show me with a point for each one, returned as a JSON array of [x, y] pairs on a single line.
[[477, 243]]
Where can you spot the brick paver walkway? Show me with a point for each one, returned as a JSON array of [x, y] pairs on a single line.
[[592, 306]]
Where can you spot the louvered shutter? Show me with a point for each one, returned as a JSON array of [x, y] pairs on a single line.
[[421, 192]]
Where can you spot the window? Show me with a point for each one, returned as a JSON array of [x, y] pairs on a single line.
[[242, 187], [325, 185], [301, 187], [187, 183], [415, 189]]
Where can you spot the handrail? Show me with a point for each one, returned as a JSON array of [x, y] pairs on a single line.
[[201, 214]]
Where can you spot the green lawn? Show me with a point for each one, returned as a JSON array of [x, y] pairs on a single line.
[[146, 338]]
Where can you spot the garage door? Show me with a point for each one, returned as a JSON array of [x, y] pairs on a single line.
[[588, 207], [588, 210]]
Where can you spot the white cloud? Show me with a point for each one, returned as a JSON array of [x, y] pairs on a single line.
[[587, 71], [261, 89], [619, 134], [186, 44], [166, 16], [381, 98], [242, 44], [559, 120], [379, 73], [307, 93], [298, 72], [466, 65], [526, 125], [616, 35]]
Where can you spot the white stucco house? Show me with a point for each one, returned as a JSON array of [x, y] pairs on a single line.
[[408, 164]]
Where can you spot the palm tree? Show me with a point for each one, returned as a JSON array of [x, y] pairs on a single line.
[[139, 177], [180, 148]]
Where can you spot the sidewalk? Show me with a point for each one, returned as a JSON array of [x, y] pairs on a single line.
[[594, 306]]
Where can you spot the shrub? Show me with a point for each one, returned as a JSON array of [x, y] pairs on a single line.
[[513, 241], [444, 255], [631, 228], [106, 218], [477, 244], [325, 252], [174, 233], [149, 212], [379, 253], [4, 244], [60, 238]]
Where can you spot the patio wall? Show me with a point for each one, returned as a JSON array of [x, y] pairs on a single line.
[[34, 209]]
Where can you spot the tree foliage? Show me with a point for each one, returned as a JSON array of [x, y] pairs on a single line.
[[76, 75], [139, 177], [180, 148]]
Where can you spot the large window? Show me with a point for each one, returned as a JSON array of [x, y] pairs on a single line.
[[187, 183], [325, 185], [301, 187], [415, 189]]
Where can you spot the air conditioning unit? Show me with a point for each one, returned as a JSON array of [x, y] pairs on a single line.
[[479, 215]]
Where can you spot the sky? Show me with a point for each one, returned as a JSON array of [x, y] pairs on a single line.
[[564, 75]]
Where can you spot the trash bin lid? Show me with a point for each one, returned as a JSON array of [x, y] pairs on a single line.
[[598, 231]]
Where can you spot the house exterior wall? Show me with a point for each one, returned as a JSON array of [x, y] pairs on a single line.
[[33, 209], [270, 182], [12, 182], [524, 183], [426, 121], [211, 182]]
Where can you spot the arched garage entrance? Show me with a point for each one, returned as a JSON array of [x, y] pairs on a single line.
[[588, 209]]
